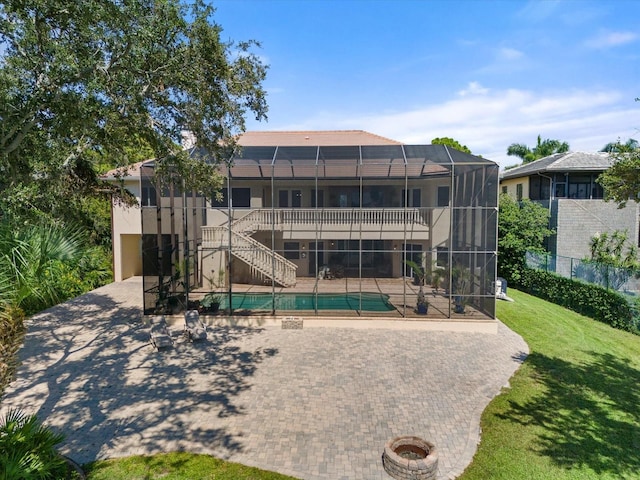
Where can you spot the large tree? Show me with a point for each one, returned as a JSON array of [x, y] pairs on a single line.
[[450, 142], [94, 79], [522, 227], [542, 149]]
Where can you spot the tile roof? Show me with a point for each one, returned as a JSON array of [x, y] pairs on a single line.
[[562, 162], [313, 138], [132, 170]]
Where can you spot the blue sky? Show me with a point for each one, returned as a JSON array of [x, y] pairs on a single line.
[[487, 73]]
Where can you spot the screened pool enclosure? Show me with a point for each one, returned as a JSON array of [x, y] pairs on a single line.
[[350, 231]]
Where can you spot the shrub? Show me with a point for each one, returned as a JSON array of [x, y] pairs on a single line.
[[11, 334], [591, 300], [27, 449]]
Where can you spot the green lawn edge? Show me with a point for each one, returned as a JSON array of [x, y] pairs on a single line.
[[175, 466], [572, 410]]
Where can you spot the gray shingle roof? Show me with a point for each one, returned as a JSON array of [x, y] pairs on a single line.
[[562, 162]]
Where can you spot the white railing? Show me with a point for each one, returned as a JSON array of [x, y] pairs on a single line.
[[259, 257], [265, 219]]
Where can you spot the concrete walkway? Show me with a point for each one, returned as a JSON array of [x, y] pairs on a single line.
[[317, 403]]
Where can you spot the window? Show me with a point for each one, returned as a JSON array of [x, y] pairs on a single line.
[[288, 198], [283, 199], [240, 198], [519, 192], [291, 250], [414, 200], [505, 189], [319, 194], [443, 196], [442, 257], [148, 197]]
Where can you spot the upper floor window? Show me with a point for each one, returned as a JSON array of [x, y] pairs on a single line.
[[412, 198], [148, 197], [291, 198], [240, 198], [443, 196], [505, 189], [519, 192]]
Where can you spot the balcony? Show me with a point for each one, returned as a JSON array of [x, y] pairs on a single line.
[[306, 222]]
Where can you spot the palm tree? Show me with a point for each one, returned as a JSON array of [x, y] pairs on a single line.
[[617, 147], [543, 148], [31, 258]]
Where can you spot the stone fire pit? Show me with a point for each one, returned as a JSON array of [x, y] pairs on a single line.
[[410, 458]]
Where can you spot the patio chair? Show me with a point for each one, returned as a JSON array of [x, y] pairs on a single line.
[[194, 329], [160, 336]]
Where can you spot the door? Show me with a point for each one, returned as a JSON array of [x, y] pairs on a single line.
[[413, 252]]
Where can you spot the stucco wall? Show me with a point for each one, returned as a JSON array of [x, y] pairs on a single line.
[[511, 185]]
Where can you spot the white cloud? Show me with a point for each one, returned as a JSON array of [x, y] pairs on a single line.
[[509, 54], [473, 88], [611, 39], [489, 120]]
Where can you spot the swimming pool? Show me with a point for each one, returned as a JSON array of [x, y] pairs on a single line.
[[372, 302]]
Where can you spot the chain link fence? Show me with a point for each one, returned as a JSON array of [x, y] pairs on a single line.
[[623, 280]]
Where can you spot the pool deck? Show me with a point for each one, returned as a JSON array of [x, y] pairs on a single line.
[[316, 403]]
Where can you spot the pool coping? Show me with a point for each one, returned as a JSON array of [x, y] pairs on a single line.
[[377, 322]]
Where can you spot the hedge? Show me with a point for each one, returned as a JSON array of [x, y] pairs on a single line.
[[591, 300]]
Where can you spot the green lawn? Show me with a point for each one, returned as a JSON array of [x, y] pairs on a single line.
[[573, 409], [176, 466]]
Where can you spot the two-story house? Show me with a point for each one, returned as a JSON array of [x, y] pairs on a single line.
[[566, 184], [343, 213]]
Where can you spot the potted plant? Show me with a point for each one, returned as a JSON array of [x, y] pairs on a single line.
[[210, 303], [461, 280], [422, 306], [437, 276], [419, 275]]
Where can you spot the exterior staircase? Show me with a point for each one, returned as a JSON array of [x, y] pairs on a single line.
[[263, 261]]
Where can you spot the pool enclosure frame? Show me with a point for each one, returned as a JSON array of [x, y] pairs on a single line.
[[398, 221]]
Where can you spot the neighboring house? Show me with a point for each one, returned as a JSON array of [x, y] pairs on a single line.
[[306, 207], [566, 184]]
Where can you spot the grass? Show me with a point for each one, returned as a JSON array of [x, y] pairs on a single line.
[[176, 466], [573, 409]]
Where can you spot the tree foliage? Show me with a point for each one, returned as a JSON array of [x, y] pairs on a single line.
[[542, 149], [450, 142], [614, 259], [81, 82], [616, 147], [522, 227], [621, 181]]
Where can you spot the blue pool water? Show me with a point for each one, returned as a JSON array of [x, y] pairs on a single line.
[[373, 302]]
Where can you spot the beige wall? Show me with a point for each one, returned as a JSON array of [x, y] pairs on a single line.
[[126, 226], [130, 256], [511, 185]]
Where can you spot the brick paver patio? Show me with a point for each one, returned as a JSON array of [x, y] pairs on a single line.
[[316, 403]]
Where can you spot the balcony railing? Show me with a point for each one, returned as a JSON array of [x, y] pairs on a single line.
[[265, 218]]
